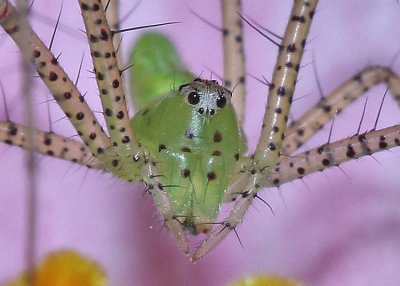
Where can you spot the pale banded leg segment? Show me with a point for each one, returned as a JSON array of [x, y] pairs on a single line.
[[328, 107], [332, 154], [283, 83], [108, 76], [137, 166], [111, 10], [49, 144], [234, 68], [59, 84], [274, 123]]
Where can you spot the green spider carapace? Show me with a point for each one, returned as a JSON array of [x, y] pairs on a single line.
[[191, 131]]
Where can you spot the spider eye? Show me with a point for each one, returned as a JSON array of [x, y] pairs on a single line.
[[214, 81], [201, 110], [221, 101], [212, 111], [193, 98]]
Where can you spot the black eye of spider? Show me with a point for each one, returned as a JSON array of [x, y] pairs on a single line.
[[221, 101], [201, 110], [212, 112], [214, 81], [193, 98]]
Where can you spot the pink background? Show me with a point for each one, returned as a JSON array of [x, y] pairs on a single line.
[[339, 227]]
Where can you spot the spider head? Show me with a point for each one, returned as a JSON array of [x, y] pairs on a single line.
[[206, 96]]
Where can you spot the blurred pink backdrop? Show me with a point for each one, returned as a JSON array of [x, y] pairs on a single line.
[[339, 227]]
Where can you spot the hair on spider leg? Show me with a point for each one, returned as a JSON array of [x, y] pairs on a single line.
[[106, 6], [44, 18], [174, 217], [316, 77], [80, 69], [264, 80], [55, 28], [237, 236], [227, 224], [380, 109], [114, 32], [169, 186], [156, 176], [118, 47], [362, 115], [260, 32], [126, 68], [331, 129], [266, 30], [376, 122], [256, 196], [240, 81], [209, 23]]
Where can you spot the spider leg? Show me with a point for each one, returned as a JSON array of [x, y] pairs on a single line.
[[314, 119], [332, 154], [137, 164], [274, 123], [60, 85], [109, 82], [50, 144], [120, 154], [234, 67]]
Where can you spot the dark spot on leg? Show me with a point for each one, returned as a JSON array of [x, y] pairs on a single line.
[[326, 162], [350, 153], [300, 171], [80, 115], [53, 76]]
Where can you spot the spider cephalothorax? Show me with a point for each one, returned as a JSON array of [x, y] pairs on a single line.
[[196, 157]]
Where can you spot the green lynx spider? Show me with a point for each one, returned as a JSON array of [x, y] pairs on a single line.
[[264, 168]]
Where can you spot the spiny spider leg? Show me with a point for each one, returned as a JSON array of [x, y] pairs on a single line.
[[332, 154], [234, 67], [59, 84], [310, 122], [49, 144], [274, 123], [109, 81], [138, 166]]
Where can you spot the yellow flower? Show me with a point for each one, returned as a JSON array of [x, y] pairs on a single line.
[[265, 280], [64, 268]]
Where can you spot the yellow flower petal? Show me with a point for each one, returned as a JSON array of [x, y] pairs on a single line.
[[65, 268], [265, 280]]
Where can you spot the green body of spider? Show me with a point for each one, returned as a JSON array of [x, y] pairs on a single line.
[[192, 133]]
